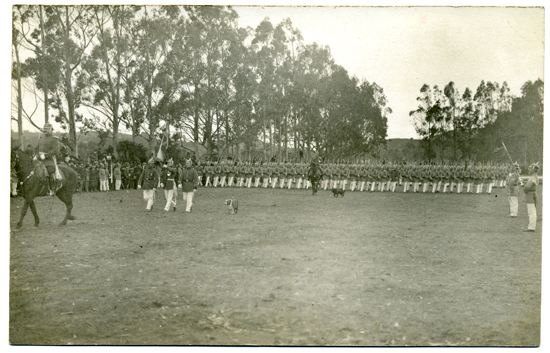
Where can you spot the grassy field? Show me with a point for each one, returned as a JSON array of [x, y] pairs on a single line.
[[290, 269]]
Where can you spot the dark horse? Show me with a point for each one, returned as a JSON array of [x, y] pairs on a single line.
[[32, 185], [314, 174]]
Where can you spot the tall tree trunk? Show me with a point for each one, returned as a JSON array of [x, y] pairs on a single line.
[[44, 70], [68, 82], [19, 97]]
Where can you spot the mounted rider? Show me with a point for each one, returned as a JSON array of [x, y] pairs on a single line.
[[314, 174], [48, 150]]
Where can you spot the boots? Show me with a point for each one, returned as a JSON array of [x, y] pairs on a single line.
[[52, 184]]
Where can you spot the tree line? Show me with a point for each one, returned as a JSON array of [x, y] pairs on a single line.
[[485, 125], [190, 73]]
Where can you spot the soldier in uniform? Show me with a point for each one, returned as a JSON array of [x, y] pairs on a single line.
[[469, 177], [208, 174], [282, 175], [216, 172], [248, 172], [530, 190], [266, 169], [492, 179], [200, 172], [189, 181], [406, 177], [314, 174], [273, 174], [168, 181], [148, 181], [290, 174], [224, 172], [512, 189], [49, 149]]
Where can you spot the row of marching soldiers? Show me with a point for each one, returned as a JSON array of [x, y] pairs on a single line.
[[357, 177]]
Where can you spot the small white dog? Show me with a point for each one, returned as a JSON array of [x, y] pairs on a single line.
[[232, 205]]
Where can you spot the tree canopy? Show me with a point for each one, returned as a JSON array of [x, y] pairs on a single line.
[[192, 72]]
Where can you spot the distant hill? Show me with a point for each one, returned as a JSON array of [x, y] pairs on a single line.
[[400, 149]]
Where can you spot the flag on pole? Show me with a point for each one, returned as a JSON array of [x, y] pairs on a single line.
[[160, 154], [165, 133]]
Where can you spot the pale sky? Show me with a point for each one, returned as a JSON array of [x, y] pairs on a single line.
[[401, 48]]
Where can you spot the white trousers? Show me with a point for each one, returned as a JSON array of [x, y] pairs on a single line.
[[117, 184], [532, 212], [513, 200], [188, 197], [170, 196], [149, 196]]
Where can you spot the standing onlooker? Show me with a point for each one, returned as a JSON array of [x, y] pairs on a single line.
[[530, 190], [102, 177], [148, 181], [94, 177], [87, 178], [512, 188], [118, 176], [188, 180]]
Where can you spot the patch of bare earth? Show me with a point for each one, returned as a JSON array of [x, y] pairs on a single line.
[[369, 269]]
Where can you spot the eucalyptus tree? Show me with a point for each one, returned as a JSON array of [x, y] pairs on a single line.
[[466, 123], [206, 57], [20, 16], [452, 112], [72, 32], [424, 118], [266, 52], [241, 123], [40, 70], [152, 35], [313, 67], [107, 63]]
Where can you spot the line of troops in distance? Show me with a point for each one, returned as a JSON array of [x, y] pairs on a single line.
[[349, 177]]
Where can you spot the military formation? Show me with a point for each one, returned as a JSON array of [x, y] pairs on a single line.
[[107, 174], [360, 177]]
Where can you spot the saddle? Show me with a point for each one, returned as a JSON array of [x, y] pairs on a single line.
[[43, 170]]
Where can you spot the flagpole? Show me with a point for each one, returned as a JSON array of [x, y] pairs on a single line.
[[511, 160]]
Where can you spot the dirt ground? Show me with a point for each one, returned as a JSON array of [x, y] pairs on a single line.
[[369, 269]]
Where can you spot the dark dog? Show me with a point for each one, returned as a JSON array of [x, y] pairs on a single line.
[[232, 205], [339, 191]]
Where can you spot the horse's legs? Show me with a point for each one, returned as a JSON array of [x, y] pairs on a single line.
[[34, 213], [23, 212], [68, 200]]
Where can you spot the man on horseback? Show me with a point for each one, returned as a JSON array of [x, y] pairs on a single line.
[[314, 174], [48, 150]]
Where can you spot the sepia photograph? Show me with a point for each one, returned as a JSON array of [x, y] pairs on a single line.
[[260, 175]]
